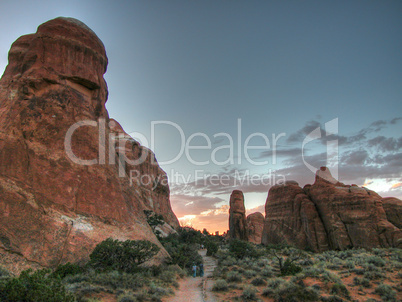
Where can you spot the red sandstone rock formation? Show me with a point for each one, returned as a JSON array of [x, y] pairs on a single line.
[[291, 218], [393, 210], [328, 215], [255, 225], [52, 209], [237, 216]]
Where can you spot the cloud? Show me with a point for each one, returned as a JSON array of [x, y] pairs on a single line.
[[396, 186], [192, 205], [385, 144], [355, 157], [301, 134], [260, 209], [290, 152]]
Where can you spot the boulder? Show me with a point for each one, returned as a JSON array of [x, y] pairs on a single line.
[[64, 180], [237, 216], [255, 225]]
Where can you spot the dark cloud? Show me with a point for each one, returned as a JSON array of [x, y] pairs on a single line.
[[385, 143], [280, 153], [301, 134], [355, 158], [395, 120]]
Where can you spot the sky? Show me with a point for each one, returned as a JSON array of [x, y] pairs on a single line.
[[245, 94]]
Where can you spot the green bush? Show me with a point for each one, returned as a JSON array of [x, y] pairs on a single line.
[[34, 286], [267, 272], [362, 281], [233, 277], [386, 292], [67, 269], [290, 268], [220, 285], [258, 281], [122, 255], [249, 273], [377, 261], [249, 293], [212, 248], [241, 249], [127, 298], [339, 289], [290, 291]]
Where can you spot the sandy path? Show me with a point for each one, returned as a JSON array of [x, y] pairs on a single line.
[[196, 289]]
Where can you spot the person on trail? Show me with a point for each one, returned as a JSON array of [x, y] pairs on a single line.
[[194, 270], [201, 270]]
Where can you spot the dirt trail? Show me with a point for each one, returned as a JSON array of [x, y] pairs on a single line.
[[196, 289]]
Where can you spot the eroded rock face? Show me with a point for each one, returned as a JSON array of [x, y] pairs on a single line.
[[328, 215], [393, 209], [291, 218], [54, 209], [255, 225], [237, 216]]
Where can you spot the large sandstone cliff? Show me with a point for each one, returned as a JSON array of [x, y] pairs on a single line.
[[330, 215], [53, 208]]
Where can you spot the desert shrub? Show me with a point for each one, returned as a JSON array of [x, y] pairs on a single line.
[[267, 272], [306, 262], [127, 298], [124, 256], [117, 280], [249, 293], [290, 268], [233, 277], [362, 281], [67, 269], [332, 299], [34, 286], [258, 281], [290, 291], [350, 264], [183, 253], [168, 276], [386, 292], [374, 275], [377, 261], [154, 219], [229, 261], [249, 273], [339, 289], [241, 249], [157, 291], [220, 285]]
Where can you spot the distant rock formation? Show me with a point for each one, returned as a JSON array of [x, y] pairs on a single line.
[[52, 208], [237, 216], [255, 225], [328, 215]]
